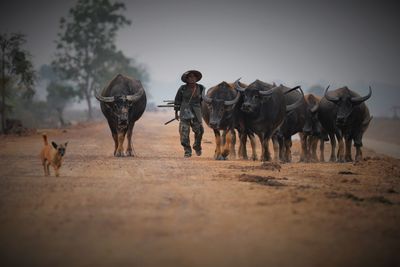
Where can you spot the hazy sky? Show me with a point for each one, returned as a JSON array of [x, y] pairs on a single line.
[[304, 42]]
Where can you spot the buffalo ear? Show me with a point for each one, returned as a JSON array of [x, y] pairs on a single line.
[[66, 143], [54, 145]]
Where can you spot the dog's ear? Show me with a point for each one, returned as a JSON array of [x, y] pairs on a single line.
[[66, 143], [54, 145]]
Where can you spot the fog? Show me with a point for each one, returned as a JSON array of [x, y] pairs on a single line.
[[291, 42]]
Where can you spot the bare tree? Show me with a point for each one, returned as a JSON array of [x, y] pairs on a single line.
[[16, 71]]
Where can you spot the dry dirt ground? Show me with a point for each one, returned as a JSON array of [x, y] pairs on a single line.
[[159, 209]]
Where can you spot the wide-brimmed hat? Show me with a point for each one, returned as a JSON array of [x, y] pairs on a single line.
[[196, 73]]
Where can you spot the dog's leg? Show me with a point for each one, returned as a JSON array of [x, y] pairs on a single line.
[[44, 167], [57, 171], [48, 168]]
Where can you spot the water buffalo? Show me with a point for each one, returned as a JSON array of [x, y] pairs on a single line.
[[343, 113], [264, 108], [219, 112], [292, 124], [122, 102], [312, 130]]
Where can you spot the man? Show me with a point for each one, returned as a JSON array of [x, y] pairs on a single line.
[[188, 103]]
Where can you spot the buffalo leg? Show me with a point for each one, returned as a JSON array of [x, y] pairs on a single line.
[[275, 144], [340, 153], [242, 145], [120, 148], [253, 147], [217, 154], [303, 142], [223, 138], [358, 154], [232, 151], [288, 151], [333, 147], [266, 155], [115, 137], [227, 144], [358, 144], [321, 149], [129, 149], [260, 137], [313, 145], [281, 141], [348, 142], [307, 147]]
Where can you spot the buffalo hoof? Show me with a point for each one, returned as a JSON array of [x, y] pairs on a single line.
[[129, 153], [332, 159], [341, 160], [266, 159], [348, 159], [220, 157], [225, 154], [119, 154], [254, 158]]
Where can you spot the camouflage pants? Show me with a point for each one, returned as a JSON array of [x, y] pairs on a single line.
[[184, 131]]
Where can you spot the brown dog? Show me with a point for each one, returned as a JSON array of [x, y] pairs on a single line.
[[52, 155]]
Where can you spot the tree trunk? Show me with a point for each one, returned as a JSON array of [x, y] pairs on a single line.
[[60, 116], [89, 103], [3, 92]]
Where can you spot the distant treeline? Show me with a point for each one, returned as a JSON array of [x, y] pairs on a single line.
[[86, 59]]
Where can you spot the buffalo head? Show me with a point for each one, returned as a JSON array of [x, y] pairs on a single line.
[[345, 102], [253, 95], [312, 125], [120, 105], [258, 91], [220, 109]]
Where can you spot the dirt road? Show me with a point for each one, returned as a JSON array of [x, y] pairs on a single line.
[[159, 209]]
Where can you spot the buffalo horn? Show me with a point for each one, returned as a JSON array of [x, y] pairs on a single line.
[[234, 101], [330, 98], [205, 97], [238, 87], [268, 92], [314, 108], [137, 95], [297, 103], [360, 99], [107, 99], [288, 90]]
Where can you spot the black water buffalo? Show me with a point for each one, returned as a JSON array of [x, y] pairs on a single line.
[[343, 113], [122, 102], [292, 124], [312, 130], [264, 108], [220, 114]]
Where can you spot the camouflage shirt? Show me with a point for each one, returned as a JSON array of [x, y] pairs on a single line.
[[184, 95]]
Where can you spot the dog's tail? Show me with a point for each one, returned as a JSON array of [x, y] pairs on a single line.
[[45, 139]]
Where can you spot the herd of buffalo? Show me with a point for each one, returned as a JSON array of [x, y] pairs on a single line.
[[269, 111]]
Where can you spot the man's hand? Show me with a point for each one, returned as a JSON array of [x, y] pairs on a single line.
[[176, 115]]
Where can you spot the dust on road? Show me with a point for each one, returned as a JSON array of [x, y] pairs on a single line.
[[159, 209]]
